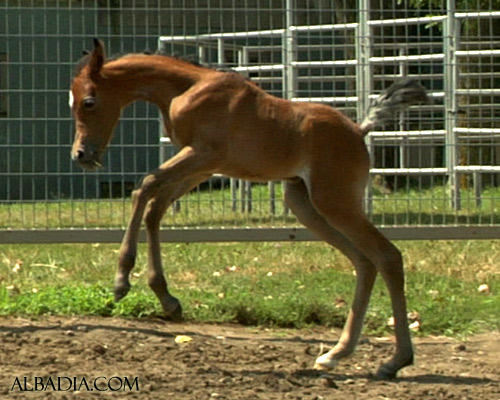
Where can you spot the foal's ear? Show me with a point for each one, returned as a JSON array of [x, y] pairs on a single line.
[[96, 60]]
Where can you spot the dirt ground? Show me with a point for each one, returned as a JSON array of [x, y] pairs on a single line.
[[51, 357]]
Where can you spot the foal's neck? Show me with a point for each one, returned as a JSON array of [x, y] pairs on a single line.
[[156, 79]]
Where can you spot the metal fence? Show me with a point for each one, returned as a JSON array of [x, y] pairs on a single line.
[[435, 171]]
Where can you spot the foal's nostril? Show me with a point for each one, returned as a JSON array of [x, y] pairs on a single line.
[[80, 154]]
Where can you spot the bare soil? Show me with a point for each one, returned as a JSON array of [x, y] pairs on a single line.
[[227, 362]]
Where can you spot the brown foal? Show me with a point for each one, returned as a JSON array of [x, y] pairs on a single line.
[[225, 124]]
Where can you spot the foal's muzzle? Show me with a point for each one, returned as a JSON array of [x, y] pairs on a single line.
[[86, 158]]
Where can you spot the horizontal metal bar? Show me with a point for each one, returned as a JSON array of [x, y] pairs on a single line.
[[295, 234], [434, 171], [273, 67], [225, 35], [339, 63], [408, 171], [404, 134], [351, 99], [477, 168], [325, 27], [330, 99], [424, 134], [417, 57], [330, 63], [477, 130], [325, 78], [477, 52], [407, 21], [478, 92], [480, 14]]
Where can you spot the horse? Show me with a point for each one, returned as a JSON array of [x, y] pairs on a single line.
[[222, 123]]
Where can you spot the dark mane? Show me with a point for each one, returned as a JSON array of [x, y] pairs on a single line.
[[189, 59]]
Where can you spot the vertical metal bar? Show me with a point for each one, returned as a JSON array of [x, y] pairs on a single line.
[[248, 196], [289, 52], [364, 79], [272, 197], [221, 59], [202, 53], [233, 184], [450, 44], [163, 147], [404, 143], [477, 182], [243, 194], [289, 44]]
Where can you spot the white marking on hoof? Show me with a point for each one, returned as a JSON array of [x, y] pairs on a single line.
[[325, 362]]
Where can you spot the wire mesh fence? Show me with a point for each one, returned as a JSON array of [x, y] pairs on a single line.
[[436, 166]]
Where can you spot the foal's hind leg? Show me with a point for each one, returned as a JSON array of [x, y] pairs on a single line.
[[342, 211], [298, 200]]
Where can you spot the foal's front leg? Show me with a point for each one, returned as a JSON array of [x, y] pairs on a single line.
[[128, 248], [161, 187], [154, 214]]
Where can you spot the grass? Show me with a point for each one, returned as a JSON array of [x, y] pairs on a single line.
[[272, 284]]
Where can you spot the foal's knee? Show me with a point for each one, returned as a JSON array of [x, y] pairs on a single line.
[[390, 264], [126, 258], [146, 190], [152, 218], [393, 257]]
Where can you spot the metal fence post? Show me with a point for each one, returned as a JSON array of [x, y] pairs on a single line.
[[289, 43], [450, 43], [364, 78], [289, 52]]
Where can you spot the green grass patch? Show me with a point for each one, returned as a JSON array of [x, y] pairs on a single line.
[[271, 284]]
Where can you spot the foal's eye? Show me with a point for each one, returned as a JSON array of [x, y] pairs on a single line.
[[89, 103]]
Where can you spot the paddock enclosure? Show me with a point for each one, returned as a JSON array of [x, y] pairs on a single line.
[[435, 171]]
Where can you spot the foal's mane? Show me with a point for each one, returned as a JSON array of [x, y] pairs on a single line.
[[189, 60]]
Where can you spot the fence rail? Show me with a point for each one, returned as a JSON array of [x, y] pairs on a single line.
[[435, 171]]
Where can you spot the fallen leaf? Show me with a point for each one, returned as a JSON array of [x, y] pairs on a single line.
[[340, 303], [17, 266], [483, 289], [415, 326], [183, 339]]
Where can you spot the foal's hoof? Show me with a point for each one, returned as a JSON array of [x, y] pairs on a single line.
[[121, 291], [389, 370], [173, 310], [386, 373], [325, 362], [176, 316]]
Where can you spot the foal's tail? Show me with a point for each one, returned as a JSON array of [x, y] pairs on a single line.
[[397, 98]]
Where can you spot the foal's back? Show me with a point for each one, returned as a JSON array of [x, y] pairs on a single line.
[[260, 136]]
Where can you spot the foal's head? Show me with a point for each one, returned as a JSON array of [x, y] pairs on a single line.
[[96, 106]]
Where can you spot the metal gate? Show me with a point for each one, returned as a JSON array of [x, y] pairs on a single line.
[[435, 171]]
